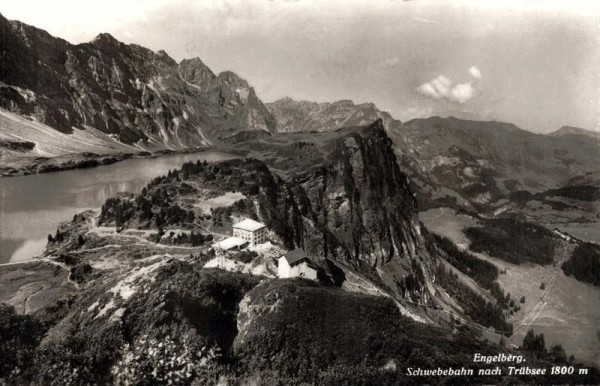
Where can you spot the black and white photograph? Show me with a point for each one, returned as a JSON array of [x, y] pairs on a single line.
[[299, 192]]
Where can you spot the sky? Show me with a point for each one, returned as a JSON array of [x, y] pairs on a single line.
[[532, 63]]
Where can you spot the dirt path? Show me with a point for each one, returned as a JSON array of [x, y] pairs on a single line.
[[19, 262], [436, 216], [126, 238], [535, 312], [26, 303], [50, 260]]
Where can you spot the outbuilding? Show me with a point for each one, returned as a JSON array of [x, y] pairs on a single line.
[[296, 263], [232, 243]]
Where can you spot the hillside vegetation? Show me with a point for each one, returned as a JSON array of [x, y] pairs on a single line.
[[296, 332], [513, 240], [584, 264], [195, 326]]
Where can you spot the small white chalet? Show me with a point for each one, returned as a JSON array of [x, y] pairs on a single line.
[[296, 263], [252, 231]]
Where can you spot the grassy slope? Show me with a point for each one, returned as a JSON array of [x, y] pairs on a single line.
[[568, 315], [326, 336]]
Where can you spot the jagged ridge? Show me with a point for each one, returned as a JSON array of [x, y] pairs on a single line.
[[128, 91]]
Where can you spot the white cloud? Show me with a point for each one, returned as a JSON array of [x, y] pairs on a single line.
[[462, 92], [475, 72], [442, 87], [428, 90], [436, 88]]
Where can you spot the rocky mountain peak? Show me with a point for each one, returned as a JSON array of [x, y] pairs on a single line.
[[285, 99], [105, 37], [354, 194], [106, 40], [571, 130], [377, 127], [233, 80], [163, 54], [195, 71], [195, 63], [344, 102]]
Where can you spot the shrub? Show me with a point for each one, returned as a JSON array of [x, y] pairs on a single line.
[[80, 272], [19, 336], [244, 256], [584, 264]]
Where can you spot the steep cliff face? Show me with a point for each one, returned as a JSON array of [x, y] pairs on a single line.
[[258, 116], [132, 93], [363, 199], [357, 208], [340, 195]]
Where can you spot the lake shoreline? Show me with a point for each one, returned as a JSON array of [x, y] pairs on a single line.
[[28, 213], [41, 165]]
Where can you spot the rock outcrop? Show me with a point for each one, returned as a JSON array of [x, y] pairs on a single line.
[[356, 205]]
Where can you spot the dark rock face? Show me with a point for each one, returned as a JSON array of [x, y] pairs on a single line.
[[363, 199], [356, 207], [20, 146], [355, 200], [138, 95]]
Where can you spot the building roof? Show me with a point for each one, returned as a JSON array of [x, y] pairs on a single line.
[[232, 242], [295, 256], [248, 224]]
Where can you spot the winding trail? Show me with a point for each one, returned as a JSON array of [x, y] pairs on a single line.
[[438, 215], [50, 260], [19, 262], [126, 237], [535, 312], [26, 303]]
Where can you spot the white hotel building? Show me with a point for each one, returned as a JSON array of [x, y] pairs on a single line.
[[252, 231]]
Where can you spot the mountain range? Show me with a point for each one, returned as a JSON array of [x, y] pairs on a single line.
[[142, 99], [106, 97], [138, 293], [451, 160]]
